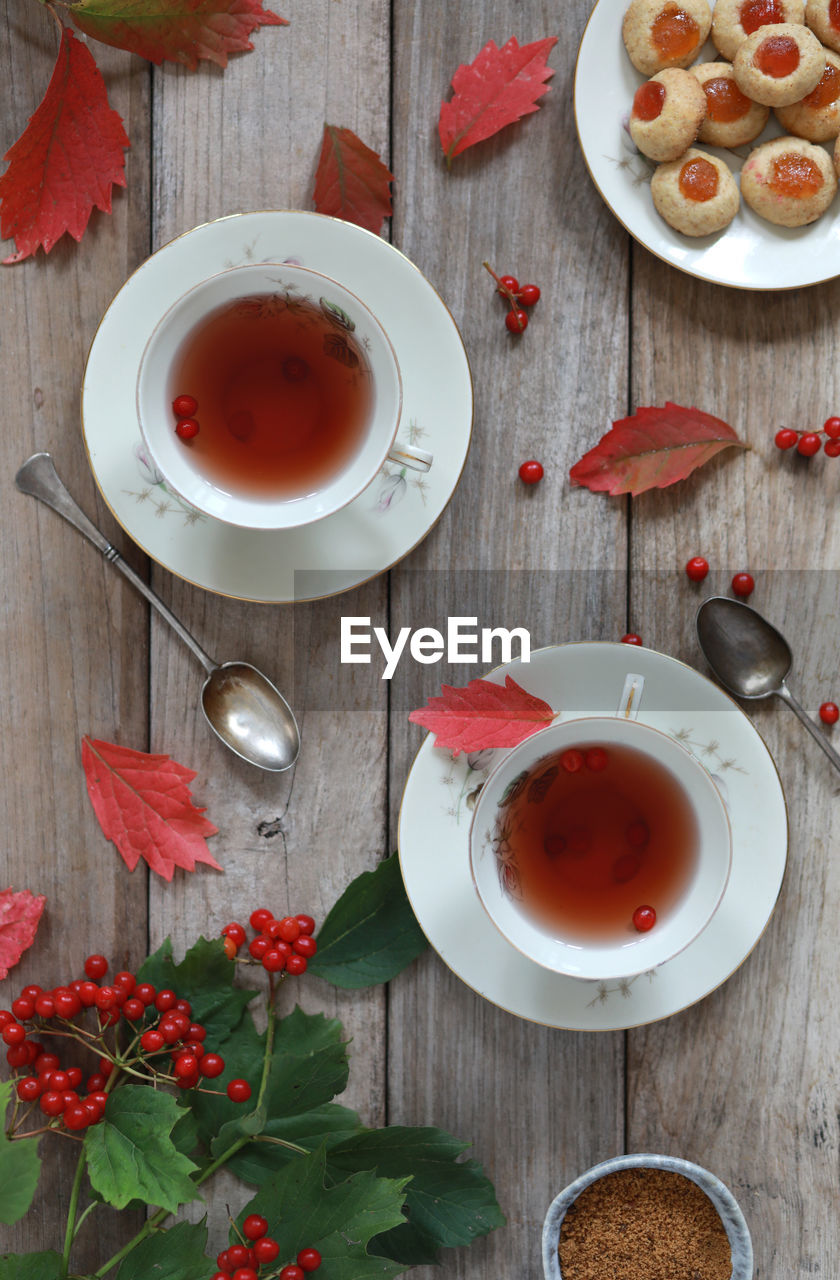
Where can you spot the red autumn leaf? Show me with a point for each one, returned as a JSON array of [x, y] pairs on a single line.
[[483, 715], [499, 87], [67, 159], [181, 31], [144, 805], [351, 182], [19, 916], [652, 449]]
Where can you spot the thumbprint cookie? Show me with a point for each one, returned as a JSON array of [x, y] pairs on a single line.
[[817, 116], [823, 17], [667, 113], [779, 64], [788, 181], [731, 117], [663, 33], [734, 20], [695, 194]]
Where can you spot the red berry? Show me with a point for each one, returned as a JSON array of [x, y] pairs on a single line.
[[223, 1264], [106, 1066], [531, 472], [260, 918], [133, 1009], [230, 948], [516, 321], [165, 1000], [288, 929], [186, 1066], [59, 1080], [572, 760], [244, 1273], [266, 1249], [305, 946], [832, 448], [18, 1055], [237, 1090], [125, 980], [29, 1088], [186, 429], [152, 1040], [255, 1226], [596, 759], [809, 444], [146, 992], [829, 712], [47, 1062], [273, 961], [51, 1103], [6, 1016], [786, 439], [195, 1031], [743, 584], [258, 946], [307, 924], [184, 406], [697, 568], [106, 998], [296, 965], [220, 1275], [22, 1008], [831, 427], [77, 1116], [309, 1259], [508, 282], [631, 638], [95, 1083], [96, 967], [644, 918], [291, 1273], [67, 1004], [211, 1065], [236, 932], [237, 1256], [528, 294], [45, 1006], [13, 1034]]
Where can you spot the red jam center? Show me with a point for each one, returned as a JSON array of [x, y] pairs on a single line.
[[648, 101], [674, 33], [827, 91], [795, 175], [834, 14], [757, 13], [698, 180], [724, 100], [777, 56]]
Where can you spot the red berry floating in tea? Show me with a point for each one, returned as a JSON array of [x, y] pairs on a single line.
[[184, 406], [186, 429], [644, 918]]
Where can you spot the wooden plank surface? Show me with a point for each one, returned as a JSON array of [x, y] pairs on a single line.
[[745, 1082]]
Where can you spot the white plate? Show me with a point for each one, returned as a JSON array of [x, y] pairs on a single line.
[[587, 679], [380, 526], [750, 253]]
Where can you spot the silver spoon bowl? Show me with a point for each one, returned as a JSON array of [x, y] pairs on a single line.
[[751, 658], [241, 705]]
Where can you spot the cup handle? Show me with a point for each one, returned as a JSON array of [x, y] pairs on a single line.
[[631, 697], [408, 456]]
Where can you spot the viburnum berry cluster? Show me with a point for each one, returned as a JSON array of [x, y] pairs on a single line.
[[808, 443], [165, 1045], [280, 946], [517, 296], [254, 1256]]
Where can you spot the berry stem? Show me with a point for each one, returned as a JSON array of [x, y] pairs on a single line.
[[503, 289], [72, 1209]]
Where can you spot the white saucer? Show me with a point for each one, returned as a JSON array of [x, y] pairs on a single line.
[[380, 526], [587, 679]]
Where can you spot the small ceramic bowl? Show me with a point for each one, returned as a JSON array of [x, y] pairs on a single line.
[[721, 1197]]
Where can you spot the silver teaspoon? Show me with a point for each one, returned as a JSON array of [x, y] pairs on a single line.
[[751, 658], [241, 705]]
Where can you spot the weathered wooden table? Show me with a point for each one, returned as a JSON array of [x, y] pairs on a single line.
[[745, 1082]]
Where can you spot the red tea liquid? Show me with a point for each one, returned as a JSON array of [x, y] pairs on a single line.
[[284, 395], [589, 847]]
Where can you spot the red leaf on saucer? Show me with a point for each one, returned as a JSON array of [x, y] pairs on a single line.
[[652, 449], [499, 87], [144, 806], [351, 182], [67, 159], [19, 917], [483, 715], [182, 31]]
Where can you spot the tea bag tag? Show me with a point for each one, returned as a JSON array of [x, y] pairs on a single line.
[[631, 697]]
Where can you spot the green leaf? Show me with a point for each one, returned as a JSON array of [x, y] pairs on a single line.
[[205, 978], [371, 933], [177, 1254], [30, 1266], [329, 1124], [338, 1221], [20, 1166], [130, 1154], [448, 1202]]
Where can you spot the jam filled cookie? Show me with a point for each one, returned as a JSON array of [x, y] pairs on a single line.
[[823, 17], [731, 117], [779, 64], [734, 20], [695, 194], [817, 116], [661, 33], [788, 181], [667, 113]]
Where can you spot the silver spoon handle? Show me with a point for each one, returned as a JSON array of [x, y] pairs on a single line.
[[785, 694], [39, 478]]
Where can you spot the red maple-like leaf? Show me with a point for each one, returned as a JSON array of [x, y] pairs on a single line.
[[652, 449], [499, 87], [483, 715], [19, 917], [144, 805], [67, 159], [182, 31], [351, 182]]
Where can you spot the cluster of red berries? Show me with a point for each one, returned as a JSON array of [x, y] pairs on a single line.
[[243, 1261], [184, 407], [283, 945], [743, 584], [517, 296], [807, 443], [56, 1089]]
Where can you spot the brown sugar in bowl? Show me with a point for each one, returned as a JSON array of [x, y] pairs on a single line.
[[687, 1227]]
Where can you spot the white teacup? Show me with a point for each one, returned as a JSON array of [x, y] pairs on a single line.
[[493, 854], [352, 326]]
